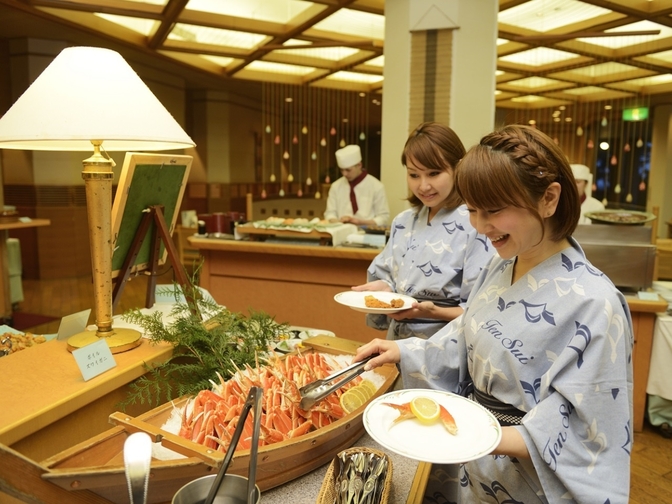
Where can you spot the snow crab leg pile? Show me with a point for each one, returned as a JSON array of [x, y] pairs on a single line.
[[211, 417]]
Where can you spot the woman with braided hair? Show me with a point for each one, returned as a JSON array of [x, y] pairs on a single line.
[[545, 342]]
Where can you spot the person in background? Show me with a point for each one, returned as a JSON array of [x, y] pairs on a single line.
[[433, 254], [356, 197], [545, 342], [584, 184]]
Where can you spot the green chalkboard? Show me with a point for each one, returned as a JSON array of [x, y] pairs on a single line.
[[146, 180]]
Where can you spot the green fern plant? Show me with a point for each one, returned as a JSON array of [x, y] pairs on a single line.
[[225, 342]]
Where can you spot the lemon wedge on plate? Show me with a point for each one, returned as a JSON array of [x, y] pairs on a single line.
[[425, 409]]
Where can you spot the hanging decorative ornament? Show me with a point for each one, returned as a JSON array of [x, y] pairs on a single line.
[[555, 139], [299, 193], [263, 194], [590, 144], [594, 188], [617, 189], [290, 178], [282, 193], [628, 198], [268, 129], [342, 143], [309, 181], [285, 155], [323, 142], [604, 122], [295, 140], [327, 179], [626, 147], [639, 143], [272, 177], [362, 136], [277, 140], [579, 131], [332, 131], [614, 161], [642, 186], [605, 202], [304, 130], [313, 156], [318, 195]]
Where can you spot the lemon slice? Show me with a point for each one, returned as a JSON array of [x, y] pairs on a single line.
[[364, 391], [370, 386], [425, 409], [351, 400]]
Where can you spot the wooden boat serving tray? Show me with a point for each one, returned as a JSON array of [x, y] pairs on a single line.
[[96, 465]]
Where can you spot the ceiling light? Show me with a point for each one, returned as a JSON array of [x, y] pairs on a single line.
[[604, 145]]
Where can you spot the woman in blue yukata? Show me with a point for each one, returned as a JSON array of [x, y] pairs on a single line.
[[434, 254], [545, 341]]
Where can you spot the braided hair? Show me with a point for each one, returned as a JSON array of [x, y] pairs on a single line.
[[513, 167], [435, 146]]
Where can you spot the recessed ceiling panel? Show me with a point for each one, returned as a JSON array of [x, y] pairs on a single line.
[[278, 11], [546, 15], [351, 22], [215, 36]]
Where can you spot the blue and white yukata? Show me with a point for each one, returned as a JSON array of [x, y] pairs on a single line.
[[556, 345], [436, 261]]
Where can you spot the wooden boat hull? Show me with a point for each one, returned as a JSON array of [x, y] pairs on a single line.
[[96, 465]]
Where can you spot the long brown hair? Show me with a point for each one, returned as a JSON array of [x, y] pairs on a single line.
[[513, 167], [437, 147]]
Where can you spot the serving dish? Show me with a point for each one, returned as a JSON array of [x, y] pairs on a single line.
[[356, 301], [626, 217], [94, 469]]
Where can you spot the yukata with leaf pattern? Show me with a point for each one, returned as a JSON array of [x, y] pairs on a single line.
[[557, 345], [436, 261]]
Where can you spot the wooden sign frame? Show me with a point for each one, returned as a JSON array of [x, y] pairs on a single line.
[[147, 180]]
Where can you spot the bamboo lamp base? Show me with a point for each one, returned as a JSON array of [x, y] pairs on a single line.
[[119, 340]]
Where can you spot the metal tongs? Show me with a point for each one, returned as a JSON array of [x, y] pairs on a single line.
[[319, 389]]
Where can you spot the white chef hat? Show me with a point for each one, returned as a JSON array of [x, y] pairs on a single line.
[[582, 172], [348, 156]]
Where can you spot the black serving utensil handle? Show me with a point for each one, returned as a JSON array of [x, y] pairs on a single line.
[[253, 399]]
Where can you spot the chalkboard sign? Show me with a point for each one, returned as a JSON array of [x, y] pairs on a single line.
[[146, 180]]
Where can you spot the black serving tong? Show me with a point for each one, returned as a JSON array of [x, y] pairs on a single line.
[[253, 400], [319, 389]]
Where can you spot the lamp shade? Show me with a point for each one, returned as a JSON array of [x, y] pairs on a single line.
[[85, 94]]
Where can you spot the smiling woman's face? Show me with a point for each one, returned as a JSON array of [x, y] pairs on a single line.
[[432, 186]]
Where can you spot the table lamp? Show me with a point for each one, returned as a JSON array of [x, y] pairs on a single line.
[[90, 98]]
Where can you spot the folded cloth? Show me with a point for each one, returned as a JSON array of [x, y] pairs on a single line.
[[339, 233], [366, 239]]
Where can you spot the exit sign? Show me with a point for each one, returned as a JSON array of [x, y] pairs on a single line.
[[636, 114]]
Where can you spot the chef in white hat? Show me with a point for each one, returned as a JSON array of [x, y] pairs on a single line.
[[584, 183], [356, 197]]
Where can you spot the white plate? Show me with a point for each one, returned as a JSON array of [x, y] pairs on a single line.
[[355, 300], [478, 431]]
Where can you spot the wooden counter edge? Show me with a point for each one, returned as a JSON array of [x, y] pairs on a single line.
[[646, 306], [282, 249]]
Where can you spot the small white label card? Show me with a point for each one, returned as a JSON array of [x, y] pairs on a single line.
[[73, 324], [94, 359], [648, 296]]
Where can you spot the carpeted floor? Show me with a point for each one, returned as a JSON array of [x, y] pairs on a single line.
[[22, 321]]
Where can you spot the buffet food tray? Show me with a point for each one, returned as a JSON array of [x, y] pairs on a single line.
[[96, 467]]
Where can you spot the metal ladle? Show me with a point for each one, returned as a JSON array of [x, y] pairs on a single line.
[[137, 459]]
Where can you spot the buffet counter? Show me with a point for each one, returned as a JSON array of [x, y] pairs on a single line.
[[291, 282], [47, 405]]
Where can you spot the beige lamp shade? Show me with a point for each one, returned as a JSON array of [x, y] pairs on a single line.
[[85, 94]]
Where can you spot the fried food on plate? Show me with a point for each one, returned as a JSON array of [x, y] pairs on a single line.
[[373, 302]]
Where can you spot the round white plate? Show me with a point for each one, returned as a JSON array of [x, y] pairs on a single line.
[[478, 431], [355, 300]]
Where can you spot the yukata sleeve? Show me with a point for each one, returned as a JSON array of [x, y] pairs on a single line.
[[381, 269], [435, 363], [478, 253], [579, 434]]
